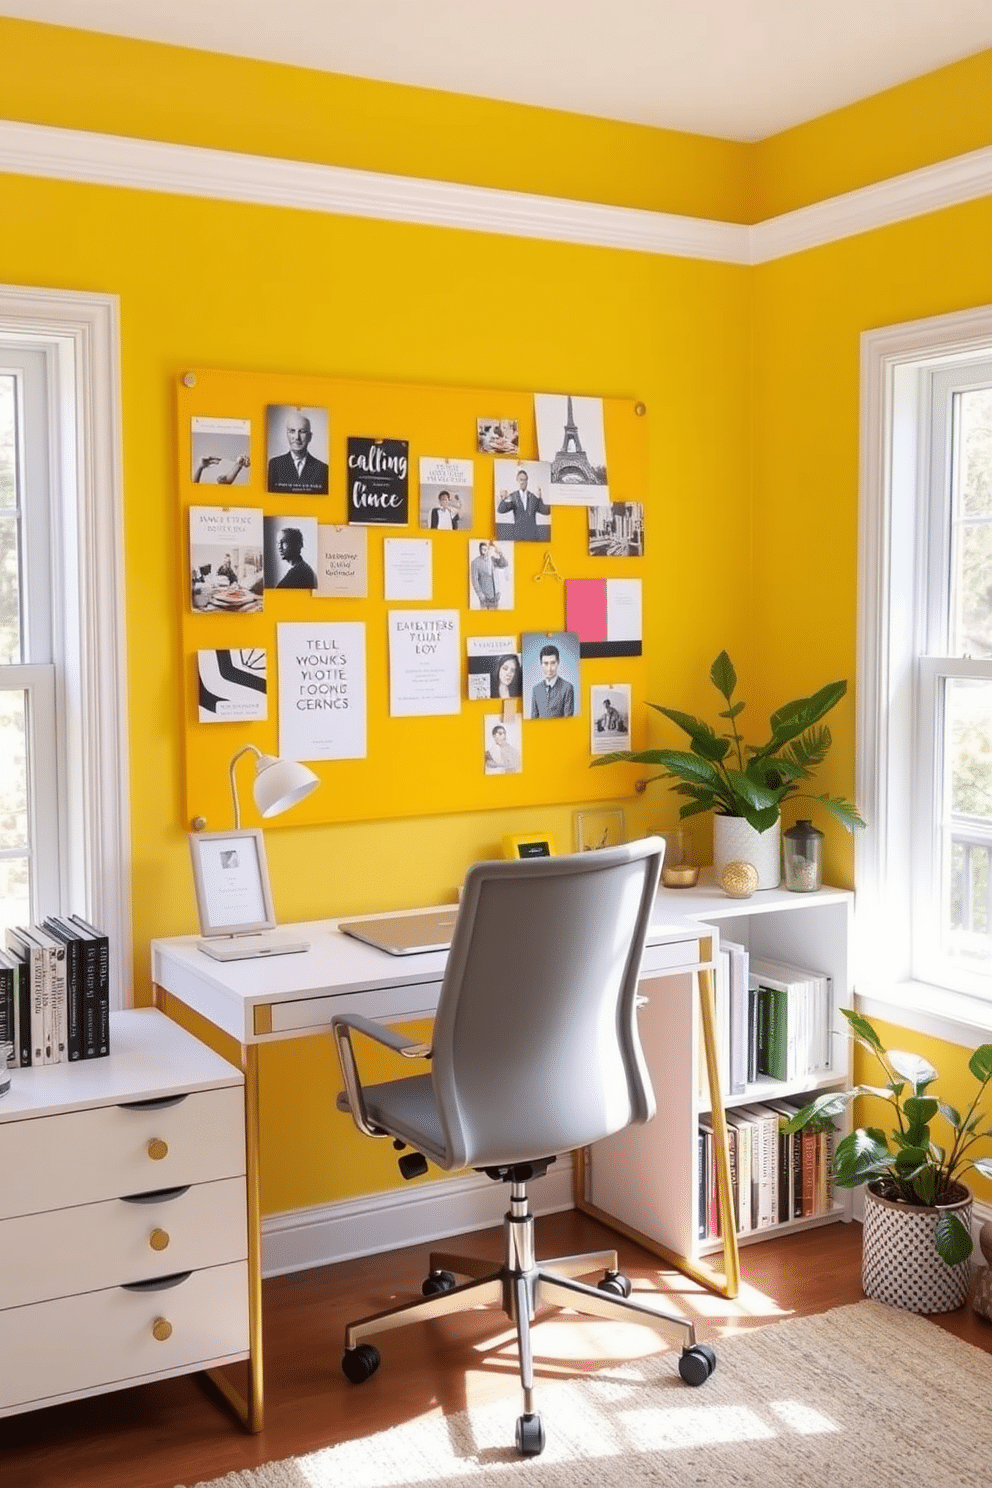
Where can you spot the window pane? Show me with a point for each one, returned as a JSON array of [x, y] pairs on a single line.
[[14, 774], [10, 612], [15, 898], [971, 578], [968, 832]]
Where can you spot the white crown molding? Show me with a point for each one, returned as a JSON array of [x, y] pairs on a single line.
[[188, 170], [963, 179]]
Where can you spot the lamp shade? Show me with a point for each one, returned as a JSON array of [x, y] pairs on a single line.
[[280, 783]]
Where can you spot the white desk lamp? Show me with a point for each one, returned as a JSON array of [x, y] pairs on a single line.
[[279, 783], [229, 869]]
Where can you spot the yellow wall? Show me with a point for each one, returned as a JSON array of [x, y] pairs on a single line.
[[750, 376]]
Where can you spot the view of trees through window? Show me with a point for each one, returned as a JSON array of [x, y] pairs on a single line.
[[968, 701], [14, 862]]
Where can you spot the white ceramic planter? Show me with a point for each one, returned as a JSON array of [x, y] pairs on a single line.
[[899, 1261], [736, 841]]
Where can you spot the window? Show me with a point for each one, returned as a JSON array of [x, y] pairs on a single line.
[[64, 841], [924, 868]]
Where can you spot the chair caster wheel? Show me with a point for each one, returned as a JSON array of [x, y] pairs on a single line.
[[697, 1363], [530, 1436], [361, 1363], [615, 1283], [438, 1281]]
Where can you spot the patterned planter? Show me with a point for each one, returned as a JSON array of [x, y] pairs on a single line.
[[735, 840], [900, 1264]]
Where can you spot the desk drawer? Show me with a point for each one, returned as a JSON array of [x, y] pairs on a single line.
[[80, 1157], [384, 1004], [660, 958], [105, 1339], [101, 1245]]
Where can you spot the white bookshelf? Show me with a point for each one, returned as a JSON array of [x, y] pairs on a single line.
[[647, 1176]]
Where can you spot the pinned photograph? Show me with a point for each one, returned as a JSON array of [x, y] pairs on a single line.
[[297, 450], [497, 436], [551, 674], [495, 669], [232, 685], [291, 552], [503, 744], [490, 576], [617, 531], [610, 710], [571, 437], [522, 511], [220, 451], [446, 494], [225, 559], [378, 482]]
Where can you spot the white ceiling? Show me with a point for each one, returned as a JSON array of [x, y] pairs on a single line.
[[739, 69]]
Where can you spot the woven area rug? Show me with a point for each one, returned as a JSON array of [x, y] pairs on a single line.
[[860, 1395]]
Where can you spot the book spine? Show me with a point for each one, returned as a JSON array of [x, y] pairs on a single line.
[[7, 1005], [74, 999], [701, 1184], [103, 996], [90, 1020], [22, 973], [734, 1195], [60, 1009], [809, 1173], [784, 1207]]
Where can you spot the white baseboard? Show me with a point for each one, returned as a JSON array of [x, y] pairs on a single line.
[[420, 1215], [980, 1214]]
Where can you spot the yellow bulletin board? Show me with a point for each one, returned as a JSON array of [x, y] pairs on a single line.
[[417, 766]]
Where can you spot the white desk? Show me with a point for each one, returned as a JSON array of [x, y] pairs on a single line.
[[292, 996]]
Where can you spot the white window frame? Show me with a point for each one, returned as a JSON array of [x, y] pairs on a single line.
[[80, 338], [899, 365]]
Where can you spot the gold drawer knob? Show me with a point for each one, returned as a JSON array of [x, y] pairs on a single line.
[[161, 1329], [158, 1239], [157, 1149]]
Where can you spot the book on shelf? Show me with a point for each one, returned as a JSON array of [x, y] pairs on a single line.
[[56, 1001], [765, 1148], [710, 1211], [8, 1007], [96, 961], [807, 1017], [737, 958], [73, 946], [34, 964], [743, 1129]]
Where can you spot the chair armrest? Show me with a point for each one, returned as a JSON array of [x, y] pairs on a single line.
[[342, 1028]]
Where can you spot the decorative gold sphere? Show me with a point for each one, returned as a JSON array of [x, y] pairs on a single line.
[[739, 880]]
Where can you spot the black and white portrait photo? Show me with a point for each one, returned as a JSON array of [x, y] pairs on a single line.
[[610, 707], [291, 552], [497, 436], [221, 449], [490, 576], [551, 674], [446, 494], [503, 744], [297, 450], [494, 667], [522, 511], [571, 437], [617, 531]]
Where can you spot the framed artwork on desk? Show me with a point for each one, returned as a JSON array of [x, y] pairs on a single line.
[[231, 879]]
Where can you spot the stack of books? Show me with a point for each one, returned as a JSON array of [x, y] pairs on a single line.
[[773, 1022], [55, 992], [775, 1176]]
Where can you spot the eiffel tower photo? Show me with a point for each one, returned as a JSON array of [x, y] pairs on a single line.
[[570, 465]]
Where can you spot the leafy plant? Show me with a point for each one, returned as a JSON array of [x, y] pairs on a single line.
[[909, 1166], [719, 772]]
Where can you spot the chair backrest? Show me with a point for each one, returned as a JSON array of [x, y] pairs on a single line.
[[535, 1045]]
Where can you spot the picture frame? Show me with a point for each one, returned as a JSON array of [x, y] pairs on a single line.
[[231, 879], [529, 845], [595, 829]]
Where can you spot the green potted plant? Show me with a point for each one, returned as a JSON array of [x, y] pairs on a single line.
[[746, 784], [917, 1228]]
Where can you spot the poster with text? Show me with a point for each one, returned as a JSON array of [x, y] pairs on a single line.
[[225, 559], [232, 685], [378, 482], [424, 662], [342, 563], [322, 691], [446, 494]]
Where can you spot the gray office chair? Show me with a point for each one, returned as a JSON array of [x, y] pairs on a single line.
[[535, 1052]]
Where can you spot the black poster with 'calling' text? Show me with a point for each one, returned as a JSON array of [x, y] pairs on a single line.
[[378, 482]]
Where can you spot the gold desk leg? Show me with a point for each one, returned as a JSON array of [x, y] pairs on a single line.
[[249, 1408], [728, 1284]]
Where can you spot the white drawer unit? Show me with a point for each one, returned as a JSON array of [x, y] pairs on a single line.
[[123, 1217]]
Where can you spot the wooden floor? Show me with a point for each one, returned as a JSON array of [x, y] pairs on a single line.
[[175, 1432]]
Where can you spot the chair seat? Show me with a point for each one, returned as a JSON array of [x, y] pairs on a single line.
[[407, 1109]]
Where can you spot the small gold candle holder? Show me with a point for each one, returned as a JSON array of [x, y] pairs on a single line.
[[681, 876], [677, 872]]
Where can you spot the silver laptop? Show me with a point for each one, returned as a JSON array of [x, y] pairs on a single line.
[[406, 934]]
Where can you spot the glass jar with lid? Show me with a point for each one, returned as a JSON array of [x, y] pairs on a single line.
[[802, 853]]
